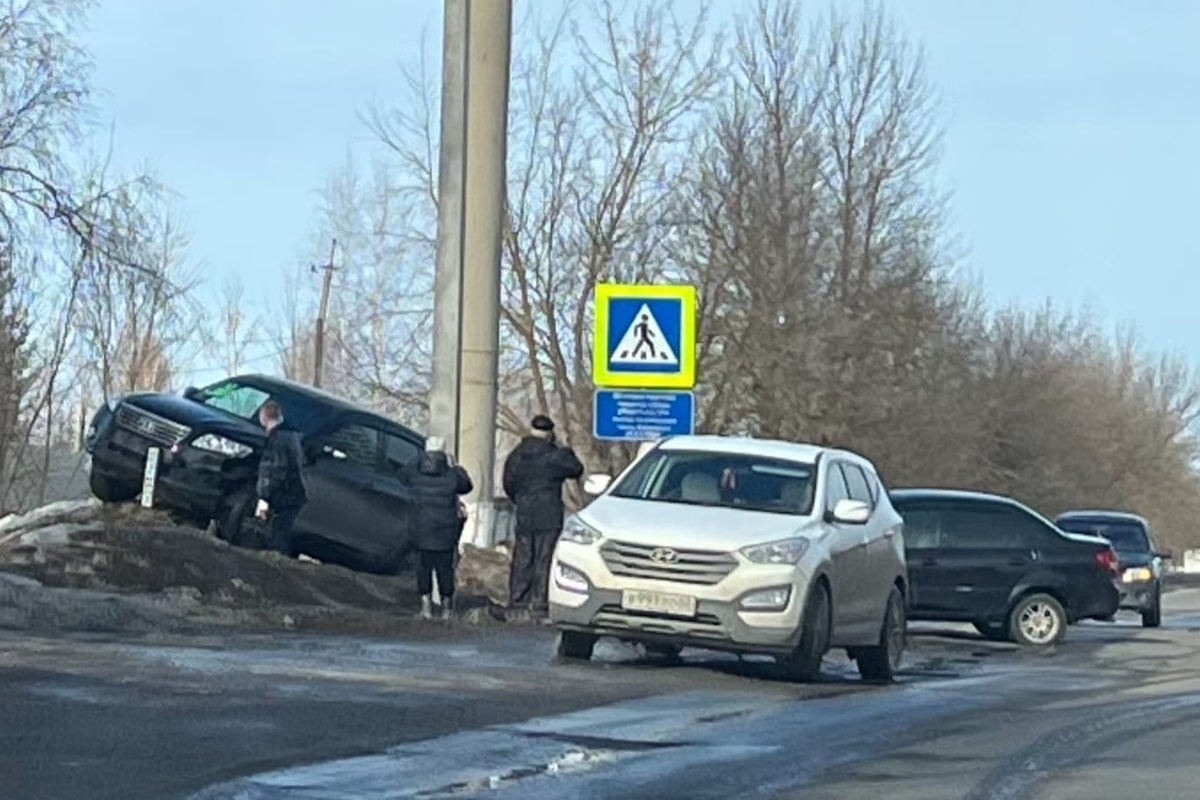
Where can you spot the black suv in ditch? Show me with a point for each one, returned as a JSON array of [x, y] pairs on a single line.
[[359, 514], [998, 564], [1139, 559]]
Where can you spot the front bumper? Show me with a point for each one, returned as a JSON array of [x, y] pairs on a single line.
[[190, 481], [720, 621], [1140, 596], [716, 626]]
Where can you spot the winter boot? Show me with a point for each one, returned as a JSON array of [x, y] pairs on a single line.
[[426, 607], [448, 608]]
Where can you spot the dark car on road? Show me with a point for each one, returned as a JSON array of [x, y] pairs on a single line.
[[1139, 558], [359, 513], [998, 564]]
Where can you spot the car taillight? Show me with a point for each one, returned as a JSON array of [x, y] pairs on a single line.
[[1107, 559]]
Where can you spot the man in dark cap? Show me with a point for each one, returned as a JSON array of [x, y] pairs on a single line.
[[534, 473]]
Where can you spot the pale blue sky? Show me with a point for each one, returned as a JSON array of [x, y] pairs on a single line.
[[1072, 146]]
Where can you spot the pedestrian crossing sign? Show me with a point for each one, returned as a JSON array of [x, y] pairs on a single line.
[[644, 337]]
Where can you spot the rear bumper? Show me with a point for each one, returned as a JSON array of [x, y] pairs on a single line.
[[1100, 603]]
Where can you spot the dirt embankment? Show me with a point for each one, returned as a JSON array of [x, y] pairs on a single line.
[[83, 566]]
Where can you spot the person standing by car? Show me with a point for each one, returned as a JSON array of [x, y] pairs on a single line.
[[436, 483], [281, 490], [533, 477]]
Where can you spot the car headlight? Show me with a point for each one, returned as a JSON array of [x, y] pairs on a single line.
[[219, 444], [577, 531], [785, 551], [1138, 575], [570, 579]]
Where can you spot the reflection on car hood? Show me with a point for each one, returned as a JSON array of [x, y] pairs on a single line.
[[682, 525], [198, 417]]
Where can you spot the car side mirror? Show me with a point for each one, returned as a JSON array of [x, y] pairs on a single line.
[[597, 484], [1165, 555], [191, 393], [850, 512]]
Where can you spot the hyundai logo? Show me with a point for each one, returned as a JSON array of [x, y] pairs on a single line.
[[664, 555]]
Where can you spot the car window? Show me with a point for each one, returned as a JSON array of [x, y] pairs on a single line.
[[856, 482], [358, 442], [721, 479], [987, 528], [236, 399], [1126, 537], [922, 529], [400, 451], [835, 486]]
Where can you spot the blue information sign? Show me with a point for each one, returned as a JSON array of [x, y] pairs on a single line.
[[640, 416]]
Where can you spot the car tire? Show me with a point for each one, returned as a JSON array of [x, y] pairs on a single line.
[[993, 631], [1037, 620], [237, 524], [804, 664], [575, 646], [108, 490], [664, 652], [879, 664], [1152, 617]]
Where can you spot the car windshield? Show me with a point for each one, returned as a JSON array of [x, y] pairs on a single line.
[[234, 398], [721, 479], [1126, 537]]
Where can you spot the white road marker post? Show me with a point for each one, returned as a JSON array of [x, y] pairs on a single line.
[[150, 477]]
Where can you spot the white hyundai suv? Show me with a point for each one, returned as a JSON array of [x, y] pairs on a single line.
[[737, 544]]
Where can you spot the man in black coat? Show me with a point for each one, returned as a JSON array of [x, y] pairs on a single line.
[[436, 483], [281, 490], [534, 473]]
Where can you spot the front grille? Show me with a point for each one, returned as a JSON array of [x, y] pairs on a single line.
[[700, 567], [151, 426]]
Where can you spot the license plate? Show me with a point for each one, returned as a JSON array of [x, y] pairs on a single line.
[[675, 605]]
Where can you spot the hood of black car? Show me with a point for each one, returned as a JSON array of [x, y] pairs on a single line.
[[198, 417]]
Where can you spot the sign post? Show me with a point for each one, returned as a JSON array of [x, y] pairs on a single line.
[[644, 341]]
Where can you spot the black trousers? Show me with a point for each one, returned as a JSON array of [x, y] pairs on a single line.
[[529, 575], [280, 523], [435, 562]]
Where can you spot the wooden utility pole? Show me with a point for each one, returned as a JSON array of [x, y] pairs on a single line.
[[322, 313]]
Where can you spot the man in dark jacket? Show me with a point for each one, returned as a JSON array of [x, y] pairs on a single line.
[[534, 473], [281, 490], [436, 483]]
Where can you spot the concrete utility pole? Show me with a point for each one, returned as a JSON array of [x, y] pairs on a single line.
[[447, 282], [322, 313], [489, 39]]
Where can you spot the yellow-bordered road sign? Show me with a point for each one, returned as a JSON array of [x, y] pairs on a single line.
[[644, 336]]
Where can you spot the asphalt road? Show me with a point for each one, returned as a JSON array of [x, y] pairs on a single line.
[[463, 712]]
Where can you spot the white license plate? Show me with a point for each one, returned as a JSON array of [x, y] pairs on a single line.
[[675, 605]]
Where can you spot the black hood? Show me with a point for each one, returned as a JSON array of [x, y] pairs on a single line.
[[1127, 559], [197, 416]]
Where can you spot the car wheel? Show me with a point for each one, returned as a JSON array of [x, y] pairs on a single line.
[[1038, 620], [1152, 617], [107, 490], [239, 526], [993, 631], [665, 652], [575, 645], [804, 664], [879, 664]]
